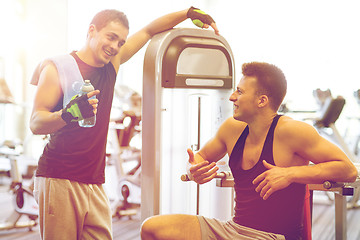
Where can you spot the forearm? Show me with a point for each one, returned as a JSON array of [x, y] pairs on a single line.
[[277, 178], [135, 42], [140, 38], [43, 122], [337, 171], [166, 22], [210, 155]]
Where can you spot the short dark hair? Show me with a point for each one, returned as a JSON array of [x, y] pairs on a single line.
[[102, 18], [271, 81]]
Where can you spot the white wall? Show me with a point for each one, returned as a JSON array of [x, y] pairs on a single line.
[[315, 42], [31, 30]]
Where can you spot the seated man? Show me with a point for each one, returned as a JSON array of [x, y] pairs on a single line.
[[269, 159]]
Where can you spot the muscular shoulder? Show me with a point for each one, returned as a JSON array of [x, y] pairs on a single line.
[[48, 73], [230, 131], [231, 127], [291, 130], [49, 90]]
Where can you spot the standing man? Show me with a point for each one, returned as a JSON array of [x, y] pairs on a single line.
[[70, 174], [269, 160]]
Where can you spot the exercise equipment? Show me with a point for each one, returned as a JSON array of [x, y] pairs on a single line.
[[124, 153], [330, 110], [328, 114], [357, 141], [24, 202], [188, 78], [341, 191], [23, 199]]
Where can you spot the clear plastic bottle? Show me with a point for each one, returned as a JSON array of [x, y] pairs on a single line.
[[87, 87]]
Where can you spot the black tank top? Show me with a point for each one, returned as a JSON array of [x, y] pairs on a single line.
[[282, 212], [77, 153]]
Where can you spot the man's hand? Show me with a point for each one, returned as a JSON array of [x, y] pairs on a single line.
[[80, 108], [202, 172], [272, 180], [201, 19]]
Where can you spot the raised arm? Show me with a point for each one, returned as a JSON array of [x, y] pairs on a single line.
[[166, 22]]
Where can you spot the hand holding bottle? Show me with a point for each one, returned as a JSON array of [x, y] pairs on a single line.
[[88, 89], [80, 107]]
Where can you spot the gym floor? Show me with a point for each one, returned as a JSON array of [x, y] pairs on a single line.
[[123, 228], [128, 229]]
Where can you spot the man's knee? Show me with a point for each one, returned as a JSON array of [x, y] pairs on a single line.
[[148, 228], [173, 226]]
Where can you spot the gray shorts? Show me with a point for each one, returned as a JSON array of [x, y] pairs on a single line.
[[218, 230], [72, 210]]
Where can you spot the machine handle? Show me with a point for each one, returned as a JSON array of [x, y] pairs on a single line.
[[228, 175], [185, 177]]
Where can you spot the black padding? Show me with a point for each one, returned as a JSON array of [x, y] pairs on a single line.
[[332, 110]]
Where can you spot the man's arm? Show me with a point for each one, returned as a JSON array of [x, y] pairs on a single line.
[[202, 166], [48, 93], [140, 38], [330, 162], [43, 120]]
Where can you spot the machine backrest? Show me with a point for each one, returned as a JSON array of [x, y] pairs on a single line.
[[331, 111], [321, 95]]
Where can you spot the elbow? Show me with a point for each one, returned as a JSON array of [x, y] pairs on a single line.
[[37, 130], [350, 173], [34, 129], [33, 126], [41, 128], [353, 174]]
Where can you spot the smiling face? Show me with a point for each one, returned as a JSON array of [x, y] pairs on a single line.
[[245, 99], [106, 43]]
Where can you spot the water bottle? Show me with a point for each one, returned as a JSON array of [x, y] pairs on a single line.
[[87, 122]]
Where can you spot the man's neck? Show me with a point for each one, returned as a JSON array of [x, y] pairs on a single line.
[[260, 126], [87, 57]]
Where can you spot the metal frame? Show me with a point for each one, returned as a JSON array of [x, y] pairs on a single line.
[[152, 123]]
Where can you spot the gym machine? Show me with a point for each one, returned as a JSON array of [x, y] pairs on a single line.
[[24, 201], [188, 78]]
